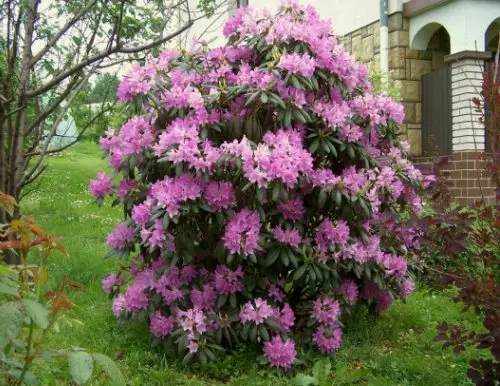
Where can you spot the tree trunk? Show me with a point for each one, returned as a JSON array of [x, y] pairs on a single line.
[[16, 165]]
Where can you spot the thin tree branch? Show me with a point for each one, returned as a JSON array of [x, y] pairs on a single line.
[[52, 42], [53, 106], [102, 55], [53, 131]]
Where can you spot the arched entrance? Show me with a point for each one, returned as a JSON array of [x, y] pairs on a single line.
[[434, 42]]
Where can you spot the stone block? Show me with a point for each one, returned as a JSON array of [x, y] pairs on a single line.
[[418, 112], [419, 68], [396, 22], [376, 36], [410, 90], [406, 24], [367, 31], [397, 58], [376, 61], [398, 74], [399, 39], [367, 53], [408, 68], [356, 47], [415, 140], [411, 54], [410, 113], [438, 60], [425, 55]]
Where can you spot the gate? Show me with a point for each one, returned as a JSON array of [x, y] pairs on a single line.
[[436, 112]]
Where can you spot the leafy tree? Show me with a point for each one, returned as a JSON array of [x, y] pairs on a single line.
[[104, 89]]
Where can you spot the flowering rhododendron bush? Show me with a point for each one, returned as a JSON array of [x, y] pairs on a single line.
[[262, 185]]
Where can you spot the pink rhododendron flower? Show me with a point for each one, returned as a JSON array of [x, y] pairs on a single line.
[[280, 353], [297, 64], [102, 186], [292, 209], [121, 236], [111, 280], [124, 188], [291, 237], [228, 282], [135, 298], [349, 290], [220, 194], [328, 234], [242, 233], [285, 317], [119, 305], [328, 339], [407, 287], [257, 311], [161, 326], [326, 310]]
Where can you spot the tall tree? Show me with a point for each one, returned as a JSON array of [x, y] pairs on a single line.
[[48, 51]]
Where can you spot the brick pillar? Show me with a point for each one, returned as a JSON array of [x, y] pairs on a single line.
[[466, 80]]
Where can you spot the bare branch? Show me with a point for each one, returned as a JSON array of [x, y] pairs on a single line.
[[53, 106], [55, 125], [102, 55], [52, 42]]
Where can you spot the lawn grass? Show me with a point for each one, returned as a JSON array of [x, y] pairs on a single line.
[[394, 349]]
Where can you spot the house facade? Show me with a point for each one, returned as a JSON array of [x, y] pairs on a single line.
[[437, 51]]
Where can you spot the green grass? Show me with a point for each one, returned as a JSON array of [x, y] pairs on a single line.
[[394, 349]]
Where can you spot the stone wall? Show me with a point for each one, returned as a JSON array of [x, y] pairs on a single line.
[[468, 180], [406, 66]]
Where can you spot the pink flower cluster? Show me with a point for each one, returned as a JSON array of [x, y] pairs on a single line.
[[101, 186], [297, 64], [328, 335], [121, 237], [242, 233], [256, 312], [291, 236]]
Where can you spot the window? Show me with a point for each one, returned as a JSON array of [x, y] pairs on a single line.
[[241, 3]]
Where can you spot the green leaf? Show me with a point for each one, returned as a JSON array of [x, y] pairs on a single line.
[[271, 257], [81, 366], [275, 192], [273, 324], [321, 198], [110, 368], [350, 152], [251, 98], [304, 380], [188, 357], [29, 378], [232, 300], [252, 334], [295, 82], [314, 146], [284, 258], [263, 333], [221, 301], [264, 98], [299, 272], [37, 312], [321, 370], [11, 321], [8, 289], [287, 122]]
